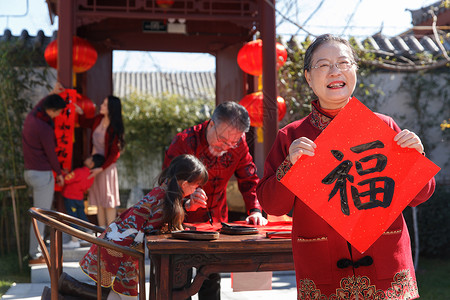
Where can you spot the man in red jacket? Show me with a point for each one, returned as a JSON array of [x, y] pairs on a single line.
[[220, 145]]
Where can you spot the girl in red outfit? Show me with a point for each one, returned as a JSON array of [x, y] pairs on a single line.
[[161, 209], [76, 184], [107, 140], [330, 70]]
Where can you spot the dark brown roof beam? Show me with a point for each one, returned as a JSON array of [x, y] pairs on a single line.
[[147, 15]]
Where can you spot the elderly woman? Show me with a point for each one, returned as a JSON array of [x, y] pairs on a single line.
[[330, 70]]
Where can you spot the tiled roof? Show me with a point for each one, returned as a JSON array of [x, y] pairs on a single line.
[[407, 45], [40, 40], [189, 84]]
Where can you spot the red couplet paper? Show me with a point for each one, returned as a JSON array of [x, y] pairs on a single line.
[[64, 131], [359, 180]]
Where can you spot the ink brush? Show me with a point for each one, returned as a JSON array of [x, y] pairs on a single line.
[[209, 216]]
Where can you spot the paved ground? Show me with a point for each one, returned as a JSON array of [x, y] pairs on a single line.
[[283, 287]]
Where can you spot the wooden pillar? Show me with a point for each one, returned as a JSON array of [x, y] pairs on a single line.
[[96, 84], [99, 79], [64, 68], [65, 36], [229, 76], [258, 154], [270, 120]]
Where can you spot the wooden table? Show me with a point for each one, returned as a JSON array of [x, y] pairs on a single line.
[[173, 259]]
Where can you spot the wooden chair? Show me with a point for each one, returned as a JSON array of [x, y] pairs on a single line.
[[59, 223]]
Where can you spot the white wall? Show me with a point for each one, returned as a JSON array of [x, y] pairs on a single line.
[[146, 171], [396, 103], [40, 91]]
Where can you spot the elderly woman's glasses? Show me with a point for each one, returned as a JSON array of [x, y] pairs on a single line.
[[325, 67], [226, 143]]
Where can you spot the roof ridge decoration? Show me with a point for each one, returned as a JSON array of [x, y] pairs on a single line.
[[407, 47], [422, 14]]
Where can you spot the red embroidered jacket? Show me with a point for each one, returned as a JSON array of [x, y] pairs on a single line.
[[317, 247], [236, 161], [121, 271]]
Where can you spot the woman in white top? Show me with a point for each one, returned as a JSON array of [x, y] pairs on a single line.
[[107, 139]]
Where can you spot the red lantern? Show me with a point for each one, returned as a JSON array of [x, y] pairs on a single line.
[[86, 105], [249, 57], [254, 104], [165, 3], [84, 55]]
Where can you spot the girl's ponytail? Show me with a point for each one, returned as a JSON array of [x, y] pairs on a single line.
[[173, 208]]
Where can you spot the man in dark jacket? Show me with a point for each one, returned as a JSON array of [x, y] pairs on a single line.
[[38, 144]]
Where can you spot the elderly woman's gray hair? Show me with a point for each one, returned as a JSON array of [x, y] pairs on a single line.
[[320, 40]]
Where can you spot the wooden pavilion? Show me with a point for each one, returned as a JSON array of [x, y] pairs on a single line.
[[217, 27]]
